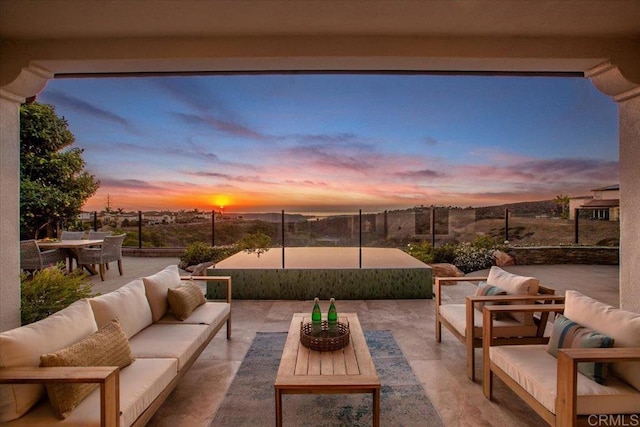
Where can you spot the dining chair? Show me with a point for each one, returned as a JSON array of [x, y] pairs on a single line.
[[98, 235], [31, 258], [71, 235], [109, 251]]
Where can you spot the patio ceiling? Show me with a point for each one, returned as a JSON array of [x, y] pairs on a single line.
[[58, 19]]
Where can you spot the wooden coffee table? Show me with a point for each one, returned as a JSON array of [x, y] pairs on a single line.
[[349, 370]]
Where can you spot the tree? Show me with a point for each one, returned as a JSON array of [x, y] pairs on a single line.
[[53, 183], [563, 205]]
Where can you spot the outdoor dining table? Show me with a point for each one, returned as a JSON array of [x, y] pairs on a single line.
[[71, 247]]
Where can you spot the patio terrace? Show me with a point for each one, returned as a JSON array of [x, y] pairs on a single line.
[[439, 367]]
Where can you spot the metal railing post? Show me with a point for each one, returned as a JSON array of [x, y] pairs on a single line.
[[506, 225], [433, 226], [213, 228], [360, 251], [576, 238], [139, 229], [283, 239]]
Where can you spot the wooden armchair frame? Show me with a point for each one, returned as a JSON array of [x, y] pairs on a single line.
[[567, 369], [472, 338], [108, 377]]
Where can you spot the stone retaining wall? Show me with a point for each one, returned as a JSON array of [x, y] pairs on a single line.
[[540, 255]]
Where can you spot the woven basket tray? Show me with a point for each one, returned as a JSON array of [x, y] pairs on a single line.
[[324, 340]]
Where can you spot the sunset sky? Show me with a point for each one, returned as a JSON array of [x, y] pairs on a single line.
[[337, 143]]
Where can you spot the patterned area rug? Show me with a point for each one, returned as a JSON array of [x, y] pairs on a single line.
[[250, 400]]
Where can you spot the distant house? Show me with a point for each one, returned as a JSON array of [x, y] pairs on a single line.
[[603, 204], [158, 218]]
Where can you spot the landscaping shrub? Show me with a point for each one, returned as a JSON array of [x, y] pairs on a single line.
[[421, 250], [50, 290], [257, 243], [445, 253], [199, 252], [470, 258]]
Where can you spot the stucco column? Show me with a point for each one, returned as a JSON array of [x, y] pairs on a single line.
[[608, 79], [29, 83]]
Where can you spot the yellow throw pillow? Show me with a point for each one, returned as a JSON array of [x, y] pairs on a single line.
[[106, 347], [184, 299]]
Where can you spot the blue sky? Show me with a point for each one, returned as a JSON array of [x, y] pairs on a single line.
[[338, 142]]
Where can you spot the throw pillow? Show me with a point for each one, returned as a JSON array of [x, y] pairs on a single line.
[[156, 289], [184, 299], [568, 334], [106, 347], [484, 289]]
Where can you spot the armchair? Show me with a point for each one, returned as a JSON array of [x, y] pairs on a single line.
[[111, 250], [558, 390], [31, 258], [464, 321]]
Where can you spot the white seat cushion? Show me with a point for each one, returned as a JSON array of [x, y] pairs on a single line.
[[140, 384], [169, 340], [206, 314], [535, 370], [456, 314]]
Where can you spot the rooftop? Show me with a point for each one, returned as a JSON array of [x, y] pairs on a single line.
[[439, 367]]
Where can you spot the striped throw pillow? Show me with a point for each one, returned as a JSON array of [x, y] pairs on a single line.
[[484, 289], [568, 334]]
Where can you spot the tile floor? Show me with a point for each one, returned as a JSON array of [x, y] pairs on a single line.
[[439, 366]]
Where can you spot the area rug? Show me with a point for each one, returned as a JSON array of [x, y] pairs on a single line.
[[250, 400]]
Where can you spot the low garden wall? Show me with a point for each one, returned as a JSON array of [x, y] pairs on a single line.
[[540, 255]]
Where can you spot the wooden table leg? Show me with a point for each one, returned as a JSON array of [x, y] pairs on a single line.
[[376, 407], [278, 407]]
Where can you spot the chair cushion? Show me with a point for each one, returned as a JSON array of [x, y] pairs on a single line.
[[184, 299], [23, 347], [156, 287], [107, 347], [514, 285], [568, 334], [623, 326], [129, 304], [456, 315], [536, 371]]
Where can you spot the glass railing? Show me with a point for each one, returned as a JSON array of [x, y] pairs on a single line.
[[438, 226]]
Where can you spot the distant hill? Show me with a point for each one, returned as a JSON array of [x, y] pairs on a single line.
[[532, 209]]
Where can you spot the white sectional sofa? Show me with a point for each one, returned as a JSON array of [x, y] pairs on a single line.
[[162, 348]]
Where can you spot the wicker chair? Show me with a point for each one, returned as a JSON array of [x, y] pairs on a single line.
[[111, 250], [31, 258], [98, 235], [72, 235]]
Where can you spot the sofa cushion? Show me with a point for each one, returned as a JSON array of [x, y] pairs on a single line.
[[177, 341], [209, 313], [140, 384], [156, 287], [184, 299], [23, 347], [623, 326], [569, 334], [129, 304], [536, 371], [107, 347]]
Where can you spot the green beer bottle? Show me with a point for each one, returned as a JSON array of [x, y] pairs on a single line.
[[316, 318], [332, 318]]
